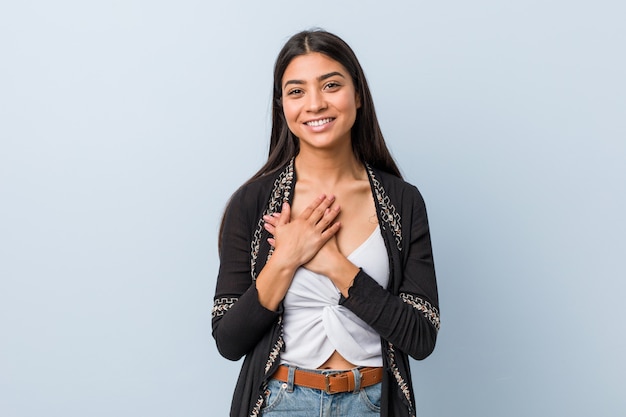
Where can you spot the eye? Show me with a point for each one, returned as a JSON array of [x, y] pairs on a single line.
[[332, 85], [295, 92]]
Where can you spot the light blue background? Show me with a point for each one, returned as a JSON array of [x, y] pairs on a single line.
[[126, 125]]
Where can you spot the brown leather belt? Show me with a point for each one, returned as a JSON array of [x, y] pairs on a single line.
[[332, 383]]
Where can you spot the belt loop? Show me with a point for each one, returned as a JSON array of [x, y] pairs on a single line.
[[357, 379], [290, 378]]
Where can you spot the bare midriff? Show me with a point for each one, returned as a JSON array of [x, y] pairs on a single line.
[[336, 361]]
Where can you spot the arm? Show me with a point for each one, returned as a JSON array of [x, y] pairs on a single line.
[[239, 321], [244, 310], [409, 320], [295, 242]]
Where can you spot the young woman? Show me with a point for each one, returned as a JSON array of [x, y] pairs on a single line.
[[326, 283]]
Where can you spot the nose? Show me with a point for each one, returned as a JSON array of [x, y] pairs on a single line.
[[315, 101]]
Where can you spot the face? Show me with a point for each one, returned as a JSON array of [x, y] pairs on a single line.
[[319, 101]]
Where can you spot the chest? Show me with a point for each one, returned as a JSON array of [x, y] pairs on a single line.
[[357, 211]]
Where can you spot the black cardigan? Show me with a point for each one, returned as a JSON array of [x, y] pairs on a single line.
[[406, 314]]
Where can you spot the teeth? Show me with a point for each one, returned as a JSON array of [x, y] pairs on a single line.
[[318, 122]]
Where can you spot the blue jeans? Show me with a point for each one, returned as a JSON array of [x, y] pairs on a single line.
[[283, 400]]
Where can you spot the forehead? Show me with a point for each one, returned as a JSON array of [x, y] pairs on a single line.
[[311, 66]]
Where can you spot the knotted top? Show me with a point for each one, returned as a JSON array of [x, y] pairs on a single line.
[[315, 325]]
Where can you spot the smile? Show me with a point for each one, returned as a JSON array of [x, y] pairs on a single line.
[[320, 122]]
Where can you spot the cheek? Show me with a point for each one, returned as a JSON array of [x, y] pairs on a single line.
[[349, 103], [290, 115], [350, 108]]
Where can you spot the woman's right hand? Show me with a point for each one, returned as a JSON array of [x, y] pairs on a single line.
[[296, 241]]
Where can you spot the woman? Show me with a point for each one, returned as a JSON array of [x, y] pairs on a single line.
[[326, 282]]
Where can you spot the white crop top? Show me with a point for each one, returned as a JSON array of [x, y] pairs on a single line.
[[315, 325]]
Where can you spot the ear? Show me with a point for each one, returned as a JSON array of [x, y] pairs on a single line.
[[357, 98]]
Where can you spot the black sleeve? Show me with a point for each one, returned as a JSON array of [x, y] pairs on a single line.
[[239, 321], [409, 320]]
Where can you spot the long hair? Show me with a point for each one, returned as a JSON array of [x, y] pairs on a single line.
[[368, 143]]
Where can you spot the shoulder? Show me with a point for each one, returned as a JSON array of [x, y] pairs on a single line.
[[249, 197], [252, 189], [255, 193]]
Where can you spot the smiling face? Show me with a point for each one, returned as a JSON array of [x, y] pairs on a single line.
[[319, 101]]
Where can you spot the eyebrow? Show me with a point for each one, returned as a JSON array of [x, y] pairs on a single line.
[[320, 78]]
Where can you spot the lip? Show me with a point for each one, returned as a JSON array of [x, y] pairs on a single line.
[[319, 123]]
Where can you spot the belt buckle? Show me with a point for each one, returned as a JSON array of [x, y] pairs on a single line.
[[327, 382]]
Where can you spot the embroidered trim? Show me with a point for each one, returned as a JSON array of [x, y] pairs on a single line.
[[280, 194], [222, 305], [404, 387], [274, 353], [425, 307], [257, 406], [388, 212], [278, 346]]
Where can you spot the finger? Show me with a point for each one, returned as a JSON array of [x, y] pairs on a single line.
[[330, 214], [309, 209], [271, 241], [270, 219], [331, 231], [270, 228], [320, 210]]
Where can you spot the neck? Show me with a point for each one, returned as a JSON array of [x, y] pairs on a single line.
[[328, 167]]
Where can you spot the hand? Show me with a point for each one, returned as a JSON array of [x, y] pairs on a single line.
[[326, 259], [330, 262], [297, 241]]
